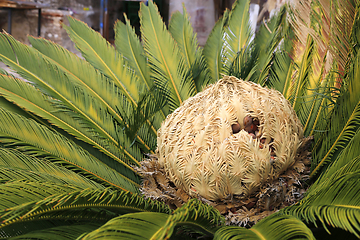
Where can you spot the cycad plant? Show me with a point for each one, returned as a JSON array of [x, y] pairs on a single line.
[[81, 155]]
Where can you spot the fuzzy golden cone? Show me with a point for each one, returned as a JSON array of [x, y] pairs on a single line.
[[229, 140]]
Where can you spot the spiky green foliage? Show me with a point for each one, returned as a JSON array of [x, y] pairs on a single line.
[[71, 134], [183, 33], [275, 227], [213, 48], [169, 71], [159, 225]]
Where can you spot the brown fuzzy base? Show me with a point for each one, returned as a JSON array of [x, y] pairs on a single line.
[[288, 189]]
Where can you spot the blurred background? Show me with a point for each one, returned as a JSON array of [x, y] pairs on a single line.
[[21, 18]]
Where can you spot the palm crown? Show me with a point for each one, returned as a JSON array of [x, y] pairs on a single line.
[[72, 135]]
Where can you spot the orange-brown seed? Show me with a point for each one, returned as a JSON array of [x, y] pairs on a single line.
[[236, 127]]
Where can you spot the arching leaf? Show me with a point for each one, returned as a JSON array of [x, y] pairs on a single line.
[[131, 226], [344, 121], [35, 139], [129, 46], [335, 203], [83, 75], [273, 227], [237, 32], [183, 33], [97, 51], [16, 166], [213, 49], [158, 225], [81, 205], [168, 69], [72, 99], [36, 102], [66, 232]]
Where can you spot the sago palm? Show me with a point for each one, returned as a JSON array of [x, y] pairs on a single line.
[[161, 138]]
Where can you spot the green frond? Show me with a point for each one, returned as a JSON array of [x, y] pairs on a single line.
[[347, 161], [66, 232], [22, 193], [35, 139], [206, 218], [131, 226], [282, 68], [183, 33], [237, 33], [5, 104], [302, 79], [335, 203], [82, 74], [280, 74], [343, 123], [274, 227], [97, 51], [254, 60], [344, 165], [213, 49], [129, 46], [159, 225], [318, 105], [337, 20], [244, 66], [55, 82], [71, 204], [105, 58], [334, 134], [267, 42], [16, 166], [135, 117], [317, 102], [26, 61], [168, 69], [332, 199], [34, 101]]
